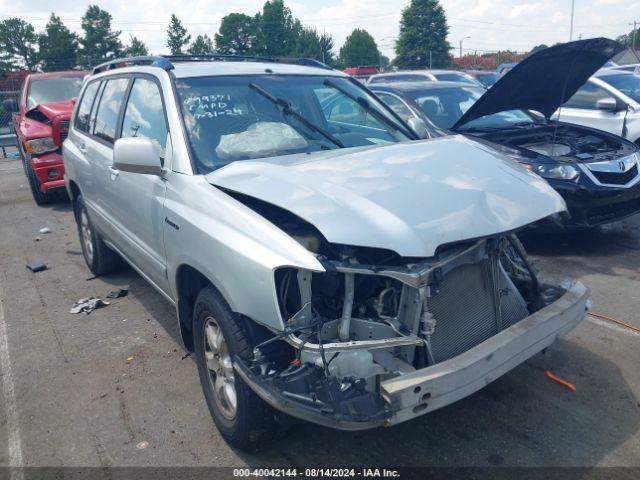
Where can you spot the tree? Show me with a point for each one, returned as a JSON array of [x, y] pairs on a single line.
[[136, 48], [537, 48], [17, 45], [628, 39], [239, 34], [310, 44], [57, 46], [423, 36], [177, 36], [359, 49], [280, 29], [202, 45], [99, 43]]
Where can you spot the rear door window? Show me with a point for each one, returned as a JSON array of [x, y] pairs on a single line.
[[144, 114], [84, 109], [109, 109]]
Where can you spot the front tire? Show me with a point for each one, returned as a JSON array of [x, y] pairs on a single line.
[[99, 258], [241, 417], [39, 197]]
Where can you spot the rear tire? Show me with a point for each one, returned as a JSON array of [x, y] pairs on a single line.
[[39, 197], [241, 417], [99, 258]]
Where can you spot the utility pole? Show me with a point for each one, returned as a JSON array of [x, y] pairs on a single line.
[[461, 44], [429, 59], [633, 36], [571, 27]]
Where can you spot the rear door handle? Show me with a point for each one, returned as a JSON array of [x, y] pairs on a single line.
[[82, 147], [114, 172]]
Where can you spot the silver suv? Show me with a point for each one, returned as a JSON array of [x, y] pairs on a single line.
[[321, 264]]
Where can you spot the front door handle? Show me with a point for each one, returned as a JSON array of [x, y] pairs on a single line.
[[114, 172], [82, 147]]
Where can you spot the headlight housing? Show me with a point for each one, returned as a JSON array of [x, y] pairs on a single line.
[[38, 146], [557, 172]]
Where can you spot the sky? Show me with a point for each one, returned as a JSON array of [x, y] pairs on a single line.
[[482, 25]]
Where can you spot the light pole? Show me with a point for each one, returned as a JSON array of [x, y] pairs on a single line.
[[463, 38], [571, 26]]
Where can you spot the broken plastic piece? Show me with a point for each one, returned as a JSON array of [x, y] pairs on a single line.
[[118, 293], [88, 305], [45, 230], [562, 382], [129, 358], [36, 266]]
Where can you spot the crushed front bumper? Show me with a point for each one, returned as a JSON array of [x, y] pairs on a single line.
[[49, 169], [414, 394]]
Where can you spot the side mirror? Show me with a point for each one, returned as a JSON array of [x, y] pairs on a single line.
[[607, 104], [136, 155], [10, 105], [419, 126]]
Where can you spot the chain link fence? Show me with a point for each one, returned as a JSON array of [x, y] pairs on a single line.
[[10, 85]]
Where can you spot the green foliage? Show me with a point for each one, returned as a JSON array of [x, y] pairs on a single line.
[[136, 48], [58, 46], [310, 44], [537, 48], [280, 29], [239, 35], [202, 45], [99, 43], [423, 31], [17, 45], [177, 36], [628, 38], [359, 49]]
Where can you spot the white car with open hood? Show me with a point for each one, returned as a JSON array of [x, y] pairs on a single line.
[[321, 264]]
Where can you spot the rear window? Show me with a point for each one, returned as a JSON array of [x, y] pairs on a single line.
[[84, 109], [109, 109], [454, 77], [46, 90]]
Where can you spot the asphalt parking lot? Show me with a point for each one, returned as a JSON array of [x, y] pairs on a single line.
[[114, 388]]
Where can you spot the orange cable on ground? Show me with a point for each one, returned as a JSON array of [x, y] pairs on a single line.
[[614, 320], [569, 385]]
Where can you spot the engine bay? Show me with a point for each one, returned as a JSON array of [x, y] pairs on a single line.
[[564, 142]]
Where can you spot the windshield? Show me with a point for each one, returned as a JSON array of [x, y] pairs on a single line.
[[445, 106], [47, 90], [454, 77], [487, 79], [244, 117], [627, 84]]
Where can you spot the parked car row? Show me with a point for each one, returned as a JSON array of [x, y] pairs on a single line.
[[341, 255], [593, 167]]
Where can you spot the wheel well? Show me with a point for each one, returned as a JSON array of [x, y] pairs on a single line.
[[189, 282], [75, 193]]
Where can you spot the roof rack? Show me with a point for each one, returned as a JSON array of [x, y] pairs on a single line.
[[165, 62]]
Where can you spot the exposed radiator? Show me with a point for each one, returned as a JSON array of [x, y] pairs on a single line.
[[466, 311]]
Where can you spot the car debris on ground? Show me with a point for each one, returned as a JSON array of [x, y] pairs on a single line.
[[88, 305], [122, 292], [45, 230], [36, 266]]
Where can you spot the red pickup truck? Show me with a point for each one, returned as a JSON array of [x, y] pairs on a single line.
[[41, 122]]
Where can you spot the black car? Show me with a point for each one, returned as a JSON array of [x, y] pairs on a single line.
[[597, 173]]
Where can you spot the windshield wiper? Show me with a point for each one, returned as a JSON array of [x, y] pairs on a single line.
[[364, 103], [287, 109]]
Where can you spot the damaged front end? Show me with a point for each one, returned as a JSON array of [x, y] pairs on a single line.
[[377, 339]]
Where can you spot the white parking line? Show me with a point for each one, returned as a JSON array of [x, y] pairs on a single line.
[[612, 326], [13, 425]]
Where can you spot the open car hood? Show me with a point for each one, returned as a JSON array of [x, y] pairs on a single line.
[[544, 80], [410, 197]]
